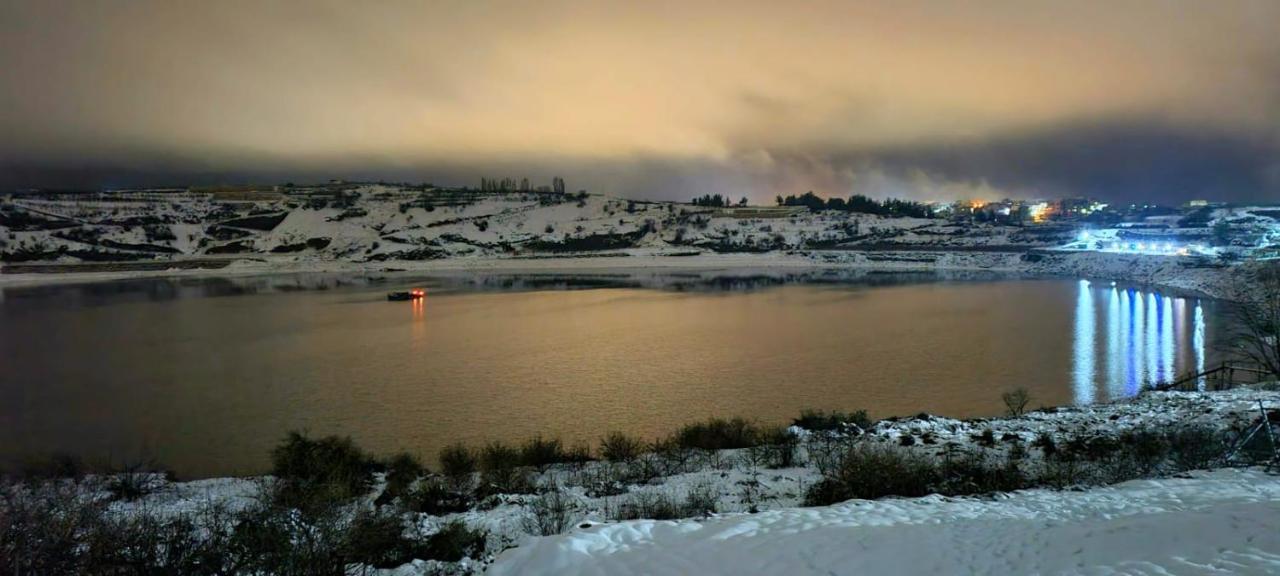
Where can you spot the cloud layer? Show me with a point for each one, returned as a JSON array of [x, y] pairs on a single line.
[[658, 99]]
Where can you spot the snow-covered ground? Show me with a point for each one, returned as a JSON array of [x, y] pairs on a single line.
[[1219, 522]]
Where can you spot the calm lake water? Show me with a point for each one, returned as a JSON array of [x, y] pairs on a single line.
[[205, 375]]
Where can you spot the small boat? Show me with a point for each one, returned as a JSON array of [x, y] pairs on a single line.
[[402, 296]]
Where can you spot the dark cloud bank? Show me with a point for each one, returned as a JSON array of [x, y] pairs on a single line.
[[1138, 102]]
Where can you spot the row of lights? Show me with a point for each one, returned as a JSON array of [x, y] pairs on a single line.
[[1144, 247], [1158, 247]]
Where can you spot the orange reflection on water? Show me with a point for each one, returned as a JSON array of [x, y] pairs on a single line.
[[419, 309], [419, 306]]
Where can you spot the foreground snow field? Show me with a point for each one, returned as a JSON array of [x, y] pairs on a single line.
[[1221, 522]]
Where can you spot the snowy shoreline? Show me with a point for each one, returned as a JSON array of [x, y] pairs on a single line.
[[739, 485], [1131, 270]]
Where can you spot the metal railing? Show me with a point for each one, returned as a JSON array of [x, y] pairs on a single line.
[[1224, 377]]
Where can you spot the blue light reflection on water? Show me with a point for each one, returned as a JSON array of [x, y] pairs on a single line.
[[1197, 345], [1084, 361], [1137, 338]]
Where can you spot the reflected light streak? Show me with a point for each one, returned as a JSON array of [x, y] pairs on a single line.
[[1166, 339], [419, 329], [1115, 365], [1084, 345], [1151, 353], [1197, 344], [1149, 338], [1133, 347]]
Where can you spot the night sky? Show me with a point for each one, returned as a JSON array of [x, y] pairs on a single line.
[[1128, 101]]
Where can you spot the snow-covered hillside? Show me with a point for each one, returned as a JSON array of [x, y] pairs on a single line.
[[372, 223], [378, 227]]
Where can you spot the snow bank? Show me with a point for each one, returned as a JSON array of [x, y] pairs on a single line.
[[1214, 522]]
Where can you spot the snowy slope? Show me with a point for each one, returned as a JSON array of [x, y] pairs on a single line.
[[1226, 521], [375, 222]]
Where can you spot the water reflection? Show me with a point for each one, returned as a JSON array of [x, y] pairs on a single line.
[[1198, 345], [1144, 340], [211, 383], [419, 318], [1084, 361], [743, 280]]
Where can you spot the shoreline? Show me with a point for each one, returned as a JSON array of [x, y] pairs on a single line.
[[733, 484], [1166, 273]]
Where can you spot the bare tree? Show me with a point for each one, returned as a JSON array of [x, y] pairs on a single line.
[[1015, 402], [1257, 334]]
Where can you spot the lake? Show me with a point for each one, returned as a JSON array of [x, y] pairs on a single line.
[[206, 375]]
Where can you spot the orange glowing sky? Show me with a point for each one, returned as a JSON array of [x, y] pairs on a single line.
[[646, 98]]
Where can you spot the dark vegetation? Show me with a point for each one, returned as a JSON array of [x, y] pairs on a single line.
[[590, 242], [324, 511], [93, 237], [876, 470], [836, 420], [1015, 401], [661, 506], [222, 233], [237, 247], [716, 201], [30, 254], [263, 223], [318, 472], [306, 522], [719, 434], [312, 243], [618, 447], [414, 254], [22, 220], [860, 204], [1257, 336]]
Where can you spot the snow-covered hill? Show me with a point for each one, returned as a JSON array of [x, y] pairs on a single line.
[[380, 227], [373, 223]]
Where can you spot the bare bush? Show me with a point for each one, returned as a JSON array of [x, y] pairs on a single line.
[[719, 434], [402, 470], [871, 471], [1197, 447], [458, 464], [702, 499], [618, 447], [651, 506], [1015, 402], [551, 512], [835, 421]]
